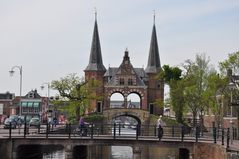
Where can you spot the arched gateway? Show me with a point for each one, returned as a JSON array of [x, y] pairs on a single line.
[[126, 80]]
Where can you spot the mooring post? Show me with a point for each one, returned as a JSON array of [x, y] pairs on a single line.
[[10, 131], [228, 137], [47, 129], [155, 130], [222, 136], [69, 131], [182, 133], [25, 129], [39, 128], [91, 130], [114, 130], [215, 134], [173, 131], [137, 132], [119, 129], [196, 133]]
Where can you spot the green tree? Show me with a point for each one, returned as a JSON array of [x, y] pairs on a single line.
[[75, 94], [196, 85], [172, 77], [217, 92], [231, 63]]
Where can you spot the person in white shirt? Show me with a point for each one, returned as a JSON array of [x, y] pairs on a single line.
[[160, 128]]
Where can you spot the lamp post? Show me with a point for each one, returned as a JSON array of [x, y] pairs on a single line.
[[231, 87], [48, 88], [48, 96], [11, 74]]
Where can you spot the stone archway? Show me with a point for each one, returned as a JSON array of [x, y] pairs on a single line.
[[141, 116]]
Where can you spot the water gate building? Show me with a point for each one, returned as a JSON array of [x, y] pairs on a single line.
[[126, 79]]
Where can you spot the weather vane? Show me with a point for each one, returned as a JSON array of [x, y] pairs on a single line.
[[95, 13], [154, 16]]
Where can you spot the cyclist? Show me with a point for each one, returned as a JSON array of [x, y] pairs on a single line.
[[82, 126]]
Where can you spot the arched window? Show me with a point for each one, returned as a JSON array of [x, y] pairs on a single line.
[[116, 100], [133, 101]]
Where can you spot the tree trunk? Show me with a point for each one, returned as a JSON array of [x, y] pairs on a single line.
[[77, 113], [194, 119]]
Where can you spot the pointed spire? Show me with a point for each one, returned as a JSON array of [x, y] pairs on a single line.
[[154, 65], [95, 62]]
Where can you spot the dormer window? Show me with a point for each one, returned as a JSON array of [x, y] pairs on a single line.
[[121, 81], [130, 82], [31, 95]]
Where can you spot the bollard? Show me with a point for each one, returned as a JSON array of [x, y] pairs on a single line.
[[182, 133], [228, 137], [137, 131], [236, 135], [155, 130], [10, 130], [47, 129], [25, 129], [102, 129], [91, 131], [119, 129], [196, 134], [114, 130], [69, 130], [39, 128], [222, 136], [218, 128], [173, 131], [215, 134]]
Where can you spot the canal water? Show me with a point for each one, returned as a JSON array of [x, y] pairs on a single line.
[[125, 152], [117, 152]]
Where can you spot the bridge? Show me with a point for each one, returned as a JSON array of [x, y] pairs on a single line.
[[191, 144]]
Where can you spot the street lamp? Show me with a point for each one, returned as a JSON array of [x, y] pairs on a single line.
[[48, 88], [11, 74], [232, 86], [48, 96]]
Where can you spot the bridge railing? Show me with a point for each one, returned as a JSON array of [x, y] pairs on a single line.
[[120, 131]]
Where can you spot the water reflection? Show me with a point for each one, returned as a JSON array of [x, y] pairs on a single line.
[[59, 154], [117, 152], [121, 152]]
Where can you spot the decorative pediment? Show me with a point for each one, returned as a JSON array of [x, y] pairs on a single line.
[[126, 67]]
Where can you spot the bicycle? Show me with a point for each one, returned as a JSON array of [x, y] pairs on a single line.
[[80, 131]]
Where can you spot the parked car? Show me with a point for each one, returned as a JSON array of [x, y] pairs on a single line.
[[34, 122], [126, 124], [7, 123], [14, 117]]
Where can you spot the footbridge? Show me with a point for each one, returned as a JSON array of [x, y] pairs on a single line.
[[192, 145]]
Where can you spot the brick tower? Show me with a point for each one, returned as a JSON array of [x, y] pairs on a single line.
[[95, 69]]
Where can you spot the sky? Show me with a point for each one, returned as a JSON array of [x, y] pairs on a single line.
[[52, 38]]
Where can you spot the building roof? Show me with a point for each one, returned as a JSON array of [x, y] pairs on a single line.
[[7, 95], [95, 62], [126, 68], [154, 65], [32, 95]]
